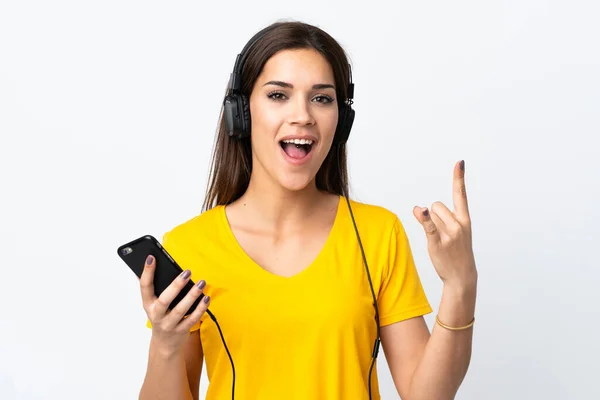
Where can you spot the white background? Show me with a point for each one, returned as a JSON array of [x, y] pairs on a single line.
[[107, 116]]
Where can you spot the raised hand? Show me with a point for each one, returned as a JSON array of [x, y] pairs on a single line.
[[449, 238]]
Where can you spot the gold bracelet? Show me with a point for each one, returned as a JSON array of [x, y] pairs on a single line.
[[460, 328]]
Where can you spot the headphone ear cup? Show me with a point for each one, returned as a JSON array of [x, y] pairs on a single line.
[[237, 116], [230, 114], [344, 126]]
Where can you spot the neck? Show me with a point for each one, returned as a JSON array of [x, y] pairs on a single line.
[[278, 208]]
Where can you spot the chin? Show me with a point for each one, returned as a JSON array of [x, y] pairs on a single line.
[[295, 183]]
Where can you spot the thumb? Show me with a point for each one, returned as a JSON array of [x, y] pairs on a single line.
[[418, 213]]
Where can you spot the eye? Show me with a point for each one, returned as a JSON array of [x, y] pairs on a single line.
[[276, 96], [324, 99]]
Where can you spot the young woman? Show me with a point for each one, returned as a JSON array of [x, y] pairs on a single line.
[[277, 255]]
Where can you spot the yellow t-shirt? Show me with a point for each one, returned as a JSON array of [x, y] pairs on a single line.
[[309, 336]]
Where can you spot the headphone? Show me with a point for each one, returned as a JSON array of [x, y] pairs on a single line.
[[237, 106]]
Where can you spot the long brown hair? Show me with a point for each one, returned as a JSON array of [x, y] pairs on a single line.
[[231, 163]]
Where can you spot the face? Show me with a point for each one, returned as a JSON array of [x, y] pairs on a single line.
[[294, 113]]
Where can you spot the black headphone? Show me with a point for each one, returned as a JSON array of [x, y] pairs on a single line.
[[237, 106]]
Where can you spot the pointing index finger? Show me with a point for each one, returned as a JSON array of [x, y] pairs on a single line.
[[459, 192]]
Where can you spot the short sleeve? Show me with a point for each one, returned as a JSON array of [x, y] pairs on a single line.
[[172, 248], [401, 295]]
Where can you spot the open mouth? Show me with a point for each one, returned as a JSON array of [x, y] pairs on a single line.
[[297, 148]]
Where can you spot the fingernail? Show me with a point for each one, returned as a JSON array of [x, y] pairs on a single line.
[[149, 260], [207, 299], [186, 274], [425, 212], [462, 165], [201, 284]]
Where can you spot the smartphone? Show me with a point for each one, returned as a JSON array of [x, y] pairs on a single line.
[[134, 255]]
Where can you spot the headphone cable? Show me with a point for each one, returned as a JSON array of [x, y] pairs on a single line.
[[212, 316], [377, 343]]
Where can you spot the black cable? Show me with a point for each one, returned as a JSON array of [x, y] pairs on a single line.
[[211, 315], [362, 250]]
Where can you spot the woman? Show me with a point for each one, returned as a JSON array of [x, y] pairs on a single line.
[[277, 257]]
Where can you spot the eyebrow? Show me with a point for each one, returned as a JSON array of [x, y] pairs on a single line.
[[290, 86]]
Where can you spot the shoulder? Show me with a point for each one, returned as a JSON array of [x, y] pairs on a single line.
[[373, 215], [380, 228], [196, 242], [195, 227], [382, 234]]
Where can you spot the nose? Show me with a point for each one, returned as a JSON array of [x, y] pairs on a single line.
[[300, 113]]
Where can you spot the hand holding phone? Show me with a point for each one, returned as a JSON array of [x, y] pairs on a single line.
[[170, 298], [170, 328]]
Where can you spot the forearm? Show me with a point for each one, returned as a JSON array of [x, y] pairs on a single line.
[[166, 376], [447, 354]]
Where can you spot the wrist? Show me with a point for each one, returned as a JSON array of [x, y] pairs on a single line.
[[464, 284], [457, 307], [165, 351]]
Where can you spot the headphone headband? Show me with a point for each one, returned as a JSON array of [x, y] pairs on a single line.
[[235, 80]]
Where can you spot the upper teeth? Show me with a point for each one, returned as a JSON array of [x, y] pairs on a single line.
[[298, 141]]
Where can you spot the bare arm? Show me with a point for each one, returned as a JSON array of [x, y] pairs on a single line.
[[425, 366], [193, 360], [174, 375], [448, 353]]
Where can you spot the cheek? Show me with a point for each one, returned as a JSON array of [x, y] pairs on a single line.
[[328, 123], [265, 126], [264, 116]]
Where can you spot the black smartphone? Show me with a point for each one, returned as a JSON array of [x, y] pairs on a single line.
[[134, 254]]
